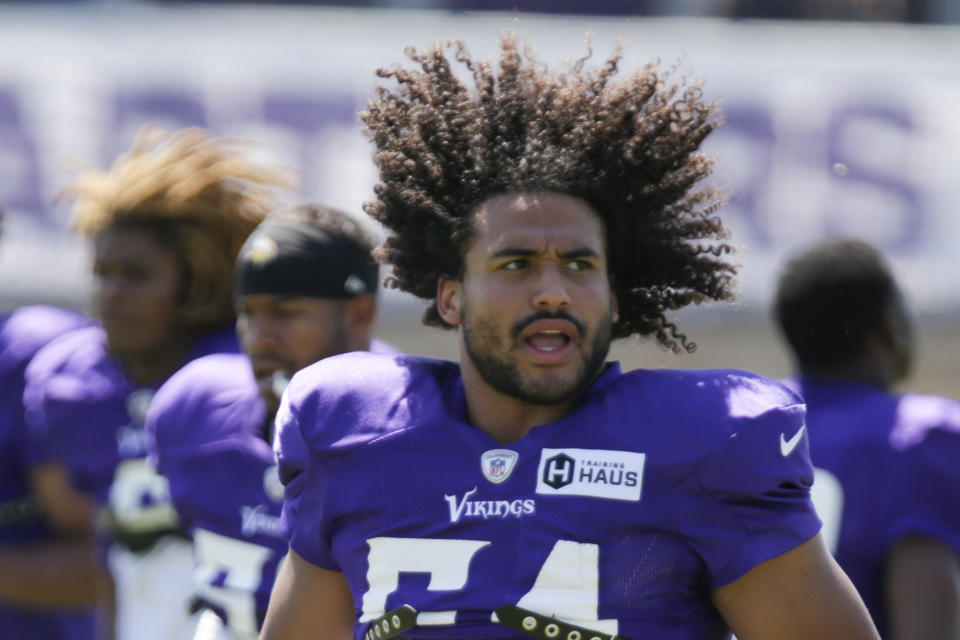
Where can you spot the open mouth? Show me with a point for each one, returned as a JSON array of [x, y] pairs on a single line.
[[548, 340]]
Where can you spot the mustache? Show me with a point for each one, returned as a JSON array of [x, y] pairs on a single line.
[[522, 324]]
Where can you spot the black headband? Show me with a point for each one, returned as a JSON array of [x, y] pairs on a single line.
[[292, 258]]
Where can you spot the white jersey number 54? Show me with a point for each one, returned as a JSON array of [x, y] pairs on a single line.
[[565, 588]]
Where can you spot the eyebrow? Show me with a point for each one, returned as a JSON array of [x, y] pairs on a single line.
[[509, 252], [582, 252]]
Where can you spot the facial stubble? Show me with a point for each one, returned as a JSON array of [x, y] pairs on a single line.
[[492, 359]]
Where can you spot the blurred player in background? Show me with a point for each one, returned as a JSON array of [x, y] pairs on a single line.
[[166, 223], [45, 559], [306, 286], [887, 480], [531, 485]]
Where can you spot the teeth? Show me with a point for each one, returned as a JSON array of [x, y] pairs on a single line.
[[551, 332]]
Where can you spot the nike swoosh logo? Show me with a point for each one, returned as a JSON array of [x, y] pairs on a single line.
[[787, 446]]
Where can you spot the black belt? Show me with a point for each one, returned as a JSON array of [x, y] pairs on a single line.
[[547, 628], [390, 625]]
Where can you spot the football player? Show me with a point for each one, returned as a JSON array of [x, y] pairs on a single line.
[[886, 463], [166, 223], [532, 489], [46, 569], [306, 286]]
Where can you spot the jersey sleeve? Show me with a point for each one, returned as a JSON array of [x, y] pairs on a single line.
[[74, 396], [203, 424], [42, 416], [303, 480], [329, 411], [757, 489], [212, 487], [208, 400]]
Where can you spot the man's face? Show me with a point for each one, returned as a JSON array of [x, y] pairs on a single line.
[[535, 307], [288, 333], [136, 291]]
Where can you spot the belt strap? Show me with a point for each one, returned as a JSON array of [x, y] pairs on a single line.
[[547, 628], [392, 623]]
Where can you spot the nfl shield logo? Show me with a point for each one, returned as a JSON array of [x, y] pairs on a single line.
[[498, 464]]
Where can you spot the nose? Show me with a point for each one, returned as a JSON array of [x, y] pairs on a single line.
[[255, 333], [552, 293], [107, 291]]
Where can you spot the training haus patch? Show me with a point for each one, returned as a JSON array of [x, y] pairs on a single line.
[[598, 473]]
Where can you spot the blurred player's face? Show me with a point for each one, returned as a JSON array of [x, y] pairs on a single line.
[[286, 333], [535, 307], [137, 285]]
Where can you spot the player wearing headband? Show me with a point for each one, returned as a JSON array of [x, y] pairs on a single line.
[[306, 287]]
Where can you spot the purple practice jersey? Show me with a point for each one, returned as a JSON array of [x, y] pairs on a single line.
[[22, 334], [886, 469], [211, 440], [90, 417], [657, 488], [210, 433]]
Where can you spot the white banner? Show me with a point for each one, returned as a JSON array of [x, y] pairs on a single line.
[[830, 129]]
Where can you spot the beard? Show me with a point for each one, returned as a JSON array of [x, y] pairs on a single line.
[[491, 357]]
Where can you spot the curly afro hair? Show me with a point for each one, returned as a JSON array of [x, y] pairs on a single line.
[[628, 148]]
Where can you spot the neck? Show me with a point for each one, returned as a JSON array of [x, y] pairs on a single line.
[[505, 417], [154, 366], [858, 370]]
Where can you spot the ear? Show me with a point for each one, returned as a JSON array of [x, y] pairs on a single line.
[[361, 312], [449, 300], [614, 306], [895, 333]]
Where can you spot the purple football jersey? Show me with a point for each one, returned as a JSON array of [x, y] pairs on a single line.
[[886, 468], [90, 417], [658, 487], [209, 429], [22, 334], [210, 440]]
